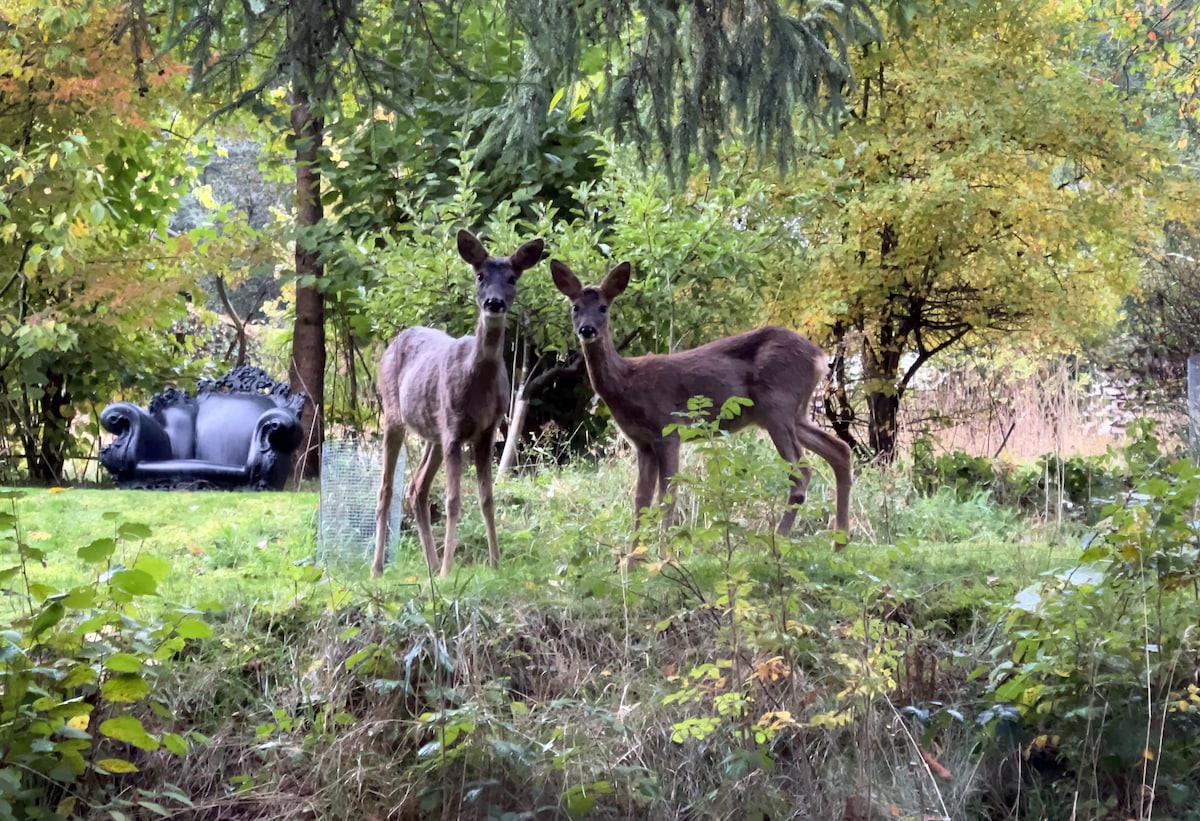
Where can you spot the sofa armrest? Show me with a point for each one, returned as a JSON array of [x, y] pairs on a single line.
[[139, 438], [276, 434]]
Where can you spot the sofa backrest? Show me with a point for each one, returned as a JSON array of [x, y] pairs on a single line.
[[179, 421], [225, 426]]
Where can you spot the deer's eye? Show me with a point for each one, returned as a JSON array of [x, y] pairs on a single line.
[[603, 309], [512, 280], [574, 309], [479, 277]]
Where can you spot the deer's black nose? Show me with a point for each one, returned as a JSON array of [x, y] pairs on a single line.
[[494, 305], [587, 331]]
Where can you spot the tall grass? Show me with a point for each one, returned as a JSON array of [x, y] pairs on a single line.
[[1021, 412]]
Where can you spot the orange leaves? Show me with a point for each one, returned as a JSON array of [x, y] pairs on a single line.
[[68, 61], [770, 670], [934, 765]]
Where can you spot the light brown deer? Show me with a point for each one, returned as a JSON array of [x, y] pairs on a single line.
[[451, 392], [773, 367]]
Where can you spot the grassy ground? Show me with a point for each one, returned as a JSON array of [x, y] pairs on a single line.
[[755, 677], [226, 547]]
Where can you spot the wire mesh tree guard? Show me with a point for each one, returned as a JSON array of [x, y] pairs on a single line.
[[350, 472]]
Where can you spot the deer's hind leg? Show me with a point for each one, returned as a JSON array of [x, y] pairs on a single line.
[[418, 500], [783, 435], [454, 462], [666, 454], [837, 454], [393, 441], [482, 453]]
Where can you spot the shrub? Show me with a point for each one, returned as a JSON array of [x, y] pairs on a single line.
[[1100, 658], [80, 671], [1077, 487]]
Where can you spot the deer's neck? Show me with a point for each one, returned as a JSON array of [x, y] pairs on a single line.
[[489, 347], [606, 367]]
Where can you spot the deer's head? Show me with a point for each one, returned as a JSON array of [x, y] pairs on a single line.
[[589, 304], [496, 277]]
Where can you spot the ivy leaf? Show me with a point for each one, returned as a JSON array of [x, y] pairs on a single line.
[[46, 619], [190, 628], [123, 663], [1029, 599], [98, 551], [134, 582], [153, 566], [176, 743], [8, 651], [133, 530]]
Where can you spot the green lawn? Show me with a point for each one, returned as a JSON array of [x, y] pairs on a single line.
[[226, 547], [241, 548]]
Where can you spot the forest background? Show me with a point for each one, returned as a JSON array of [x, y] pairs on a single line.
[[932, 193]]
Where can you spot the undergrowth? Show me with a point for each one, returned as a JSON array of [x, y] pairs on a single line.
[[954, 661]]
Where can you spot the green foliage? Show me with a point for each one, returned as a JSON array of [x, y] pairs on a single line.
[[83, 675], [1099, 656], [692, 74], [729, 702], [751, 673], [1152, 54], [959, 471], [1079, 487], [987, 186], [699, 274], [88, 187]]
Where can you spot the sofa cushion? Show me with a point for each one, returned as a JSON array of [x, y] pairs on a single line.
[[225, 426]]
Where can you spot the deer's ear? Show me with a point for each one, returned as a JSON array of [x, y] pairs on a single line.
[[616, 281], [565, 280], [470, 248], [527, 256]]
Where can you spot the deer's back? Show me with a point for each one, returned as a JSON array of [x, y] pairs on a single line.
[[773, 367]]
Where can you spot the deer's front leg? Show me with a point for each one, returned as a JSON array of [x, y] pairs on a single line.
[[647, 474], [418, 500], [667, 455], [453, 456], [482, 451], [393, 440]]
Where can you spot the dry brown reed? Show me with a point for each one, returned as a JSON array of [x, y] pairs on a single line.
[[1061, 407]]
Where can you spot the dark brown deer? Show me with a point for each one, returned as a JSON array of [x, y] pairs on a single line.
[[452, 393], [773, 367]]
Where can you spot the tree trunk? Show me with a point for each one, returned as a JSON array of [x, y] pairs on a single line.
[[239, 324], [47, 432], [838, 409], [516, 421], [307, 371], [881, 367], [883, 402], [881, 409]]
